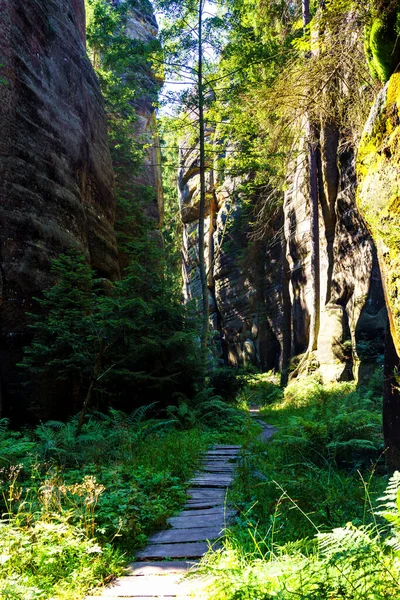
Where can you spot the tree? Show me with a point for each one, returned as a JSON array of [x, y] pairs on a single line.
[[69, 333], [122, 344], [185, 37], [311, 142]]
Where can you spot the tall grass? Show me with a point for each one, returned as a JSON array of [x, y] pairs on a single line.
[[307, 527], [76, 503]]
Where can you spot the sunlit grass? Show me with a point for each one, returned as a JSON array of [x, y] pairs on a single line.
[[323, 469]]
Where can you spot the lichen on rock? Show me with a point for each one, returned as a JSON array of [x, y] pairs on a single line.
[[378, 194]]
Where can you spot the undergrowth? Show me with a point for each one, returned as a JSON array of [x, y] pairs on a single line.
[[310, 523], [77, 503]]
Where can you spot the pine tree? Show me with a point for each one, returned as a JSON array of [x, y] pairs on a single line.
[[69, 332]]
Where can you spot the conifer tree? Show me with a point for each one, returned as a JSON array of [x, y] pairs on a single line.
[[185, 38], [69, 340]]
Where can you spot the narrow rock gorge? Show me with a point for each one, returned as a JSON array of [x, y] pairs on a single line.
[[57, 181], [260, 290]]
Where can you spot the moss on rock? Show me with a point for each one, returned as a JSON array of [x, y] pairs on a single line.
[[378, 195], [381, 45]]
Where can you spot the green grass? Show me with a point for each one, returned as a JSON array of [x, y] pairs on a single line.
[[307, 526], [77, 505], [82, 503]]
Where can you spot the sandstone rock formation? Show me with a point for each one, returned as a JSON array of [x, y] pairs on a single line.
[[378, 194], [378, 198], [141, 25], [260, 291], [56, 177]]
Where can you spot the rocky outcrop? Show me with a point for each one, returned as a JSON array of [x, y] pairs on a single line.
[[352, 314], [378, 198], [260, 292], [56, 177], [141, 25], [245, 279], [378, 194]]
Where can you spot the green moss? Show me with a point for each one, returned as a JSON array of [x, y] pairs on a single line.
[[378, 193], [381, 47]]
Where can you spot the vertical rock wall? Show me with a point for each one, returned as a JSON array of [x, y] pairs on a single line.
[[56, 177], [353, 314], [245, 279], [141, 25], [260, 292]]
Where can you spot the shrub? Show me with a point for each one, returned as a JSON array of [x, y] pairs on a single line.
[[226, 383]]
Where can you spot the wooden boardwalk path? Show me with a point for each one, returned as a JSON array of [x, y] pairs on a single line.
[[160, 567]]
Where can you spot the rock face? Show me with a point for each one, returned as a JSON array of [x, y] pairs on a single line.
[[244, 290], [353, 314], [142, 26], [260, 292], [378, 194], [378, 198], [56, 177]]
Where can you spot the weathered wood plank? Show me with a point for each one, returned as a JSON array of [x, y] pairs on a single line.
[[225, 447], [214, 510], [202, 504], [205, 492], [222, 453], [162, 551], [211, 484], [160, 568], [219, 464], [192, 522], [175, 536]]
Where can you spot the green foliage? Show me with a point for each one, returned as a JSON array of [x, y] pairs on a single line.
[[381, 43], [325, 436], [227, 383], [262, 389], [79, 499], [130, 340], [306, 527], [121, 64], [209, 411], [350, 562]]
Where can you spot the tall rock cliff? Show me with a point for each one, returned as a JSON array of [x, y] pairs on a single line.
[[56, 176], [378, 197], [141, 26], [260, 292]]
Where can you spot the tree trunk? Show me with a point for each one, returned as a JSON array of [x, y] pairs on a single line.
[[311, 136], [202, 207], [88, 399]]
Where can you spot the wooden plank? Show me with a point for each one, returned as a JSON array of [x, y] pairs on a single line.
[[162, 551], [175, 536], [205, 493], [210, 468], [211, 481], [203, 504], [215, 510], [191, 522], [225, 447], [222, 453], [160, 568], [218, 465], [221, 464]]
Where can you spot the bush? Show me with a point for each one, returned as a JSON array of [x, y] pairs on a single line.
[[226, 383]]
